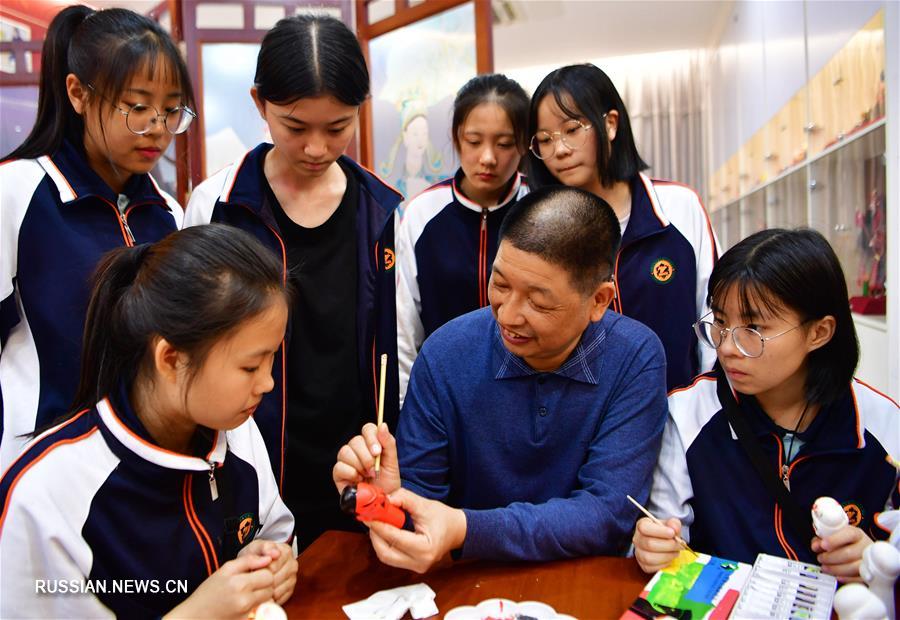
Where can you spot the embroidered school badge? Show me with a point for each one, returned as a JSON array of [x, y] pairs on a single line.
[[246, 529], [854, 513], [662, 270], [388, 259]]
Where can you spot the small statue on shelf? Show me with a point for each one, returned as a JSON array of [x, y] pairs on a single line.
[[870, 222]]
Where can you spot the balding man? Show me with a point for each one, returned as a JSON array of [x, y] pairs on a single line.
[[525, 425]]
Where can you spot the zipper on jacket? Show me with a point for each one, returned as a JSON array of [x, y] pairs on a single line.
[[122, 204], [784, 468], [213, 487], [617, 300], [482, 259], [784, 477]]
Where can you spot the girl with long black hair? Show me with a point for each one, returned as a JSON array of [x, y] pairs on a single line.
[[114, 91], [581, 137]]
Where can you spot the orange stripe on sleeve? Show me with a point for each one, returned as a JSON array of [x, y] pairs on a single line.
[[18, 477]]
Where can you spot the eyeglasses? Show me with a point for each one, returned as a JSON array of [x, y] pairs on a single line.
[[140, 118], [573, 135], [747, 340]]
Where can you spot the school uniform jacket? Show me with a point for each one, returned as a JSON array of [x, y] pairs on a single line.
[[662, 271], [446, 245], [93, 503], [235, 196], [58, 219], [705, 478]]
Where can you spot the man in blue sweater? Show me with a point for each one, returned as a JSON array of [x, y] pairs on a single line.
[[525, 426]]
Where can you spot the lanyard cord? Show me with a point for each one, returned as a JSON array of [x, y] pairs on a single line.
[[789, 456]]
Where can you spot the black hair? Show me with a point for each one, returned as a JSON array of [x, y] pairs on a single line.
[[586, 92], [493, 88], [103, 49], [311, 56], [782, 269], [192, 288], [568, 227]]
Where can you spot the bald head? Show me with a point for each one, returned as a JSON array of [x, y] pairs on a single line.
[[568, 227]]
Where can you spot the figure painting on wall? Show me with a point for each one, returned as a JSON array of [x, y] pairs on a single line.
[[413, 163], [416, 72]]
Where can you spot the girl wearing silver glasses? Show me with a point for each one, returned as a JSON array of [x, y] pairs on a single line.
[[750, 447], [114, 90], [581, 137]]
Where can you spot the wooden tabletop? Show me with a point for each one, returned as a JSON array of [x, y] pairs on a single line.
[[341, 568]]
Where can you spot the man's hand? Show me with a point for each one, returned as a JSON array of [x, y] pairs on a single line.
[[356, 460], [439, 530]]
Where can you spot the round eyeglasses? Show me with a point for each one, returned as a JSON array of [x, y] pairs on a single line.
[[573, 135], [747, 340], [140, 117]]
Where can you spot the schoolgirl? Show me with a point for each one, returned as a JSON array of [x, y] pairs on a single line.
[[332, 224], [447, 239], [581, 136], [114, 90], [787, 349], [161, 478]]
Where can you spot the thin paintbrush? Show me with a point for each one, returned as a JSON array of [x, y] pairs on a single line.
[[678, 538], [381, 406]]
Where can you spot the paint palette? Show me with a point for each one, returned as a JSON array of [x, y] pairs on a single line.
[[697, 586], [782, 588]]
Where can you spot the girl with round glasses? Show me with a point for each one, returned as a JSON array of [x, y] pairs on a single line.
[[114, 90], [787, 349], [581, 137], [447, 239]]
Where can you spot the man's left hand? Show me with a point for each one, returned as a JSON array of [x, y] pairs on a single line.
[[438, 530]]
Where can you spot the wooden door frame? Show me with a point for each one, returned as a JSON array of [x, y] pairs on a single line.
[[404, 15]]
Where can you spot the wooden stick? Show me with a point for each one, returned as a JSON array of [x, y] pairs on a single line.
[[381, 405], [678, 538]]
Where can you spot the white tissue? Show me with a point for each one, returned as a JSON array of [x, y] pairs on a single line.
[[392, 604]]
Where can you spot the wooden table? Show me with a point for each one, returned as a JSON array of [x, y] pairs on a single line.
[[341, 568]]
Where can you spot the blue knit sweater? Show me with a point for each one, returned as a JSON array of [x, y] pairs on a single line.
[[540, 462]]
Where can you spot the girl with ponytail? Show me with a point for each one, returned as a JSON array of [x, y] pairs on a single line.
[[161, 474], [448, 237], [331, 222], [114, 90]]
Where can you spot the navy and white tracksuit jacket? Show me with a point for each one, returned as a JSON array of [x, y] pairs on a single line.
[[93, 502], [446, 245], [58, 219], [705, 479], [235, 196], [662, 271]]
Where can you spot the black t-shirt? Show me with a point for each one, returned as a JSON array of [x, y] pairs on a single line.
[[324, 403]]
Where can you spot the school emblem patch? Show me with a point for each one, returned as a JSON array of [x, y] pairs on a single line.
[[662, 270], [854, 513], [246, 529], [388, 259]]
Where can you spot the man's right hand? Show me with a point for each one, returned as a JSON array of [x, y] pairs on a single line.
[[356, 460]]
